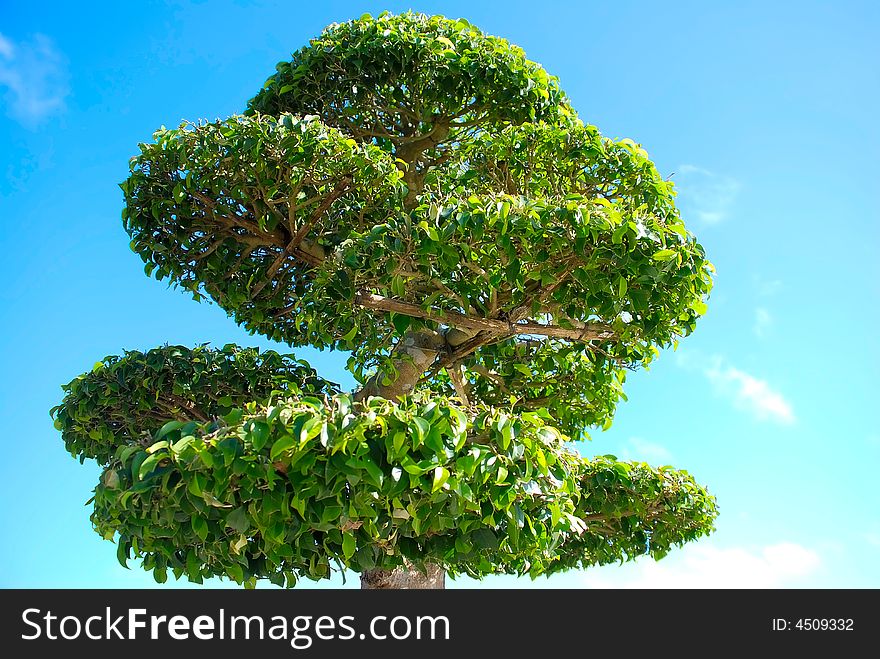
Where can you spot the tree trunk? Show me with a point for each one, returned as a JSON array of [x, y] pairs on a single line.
[[414, 354], [404, 578]]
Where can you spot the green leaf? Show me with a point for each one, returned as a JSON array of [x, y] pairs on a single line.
[[235, 572], [195, 485], [158, 446], [311, 429], [665, 255], [200, 527], [193, 566], [485, 539], [349, 336], [259, 434], [366, 463], [420, 427], [281, 445], [178, 447], [238, 519], [446, 42], [167, 428], [401, 322], [207, 457], [149, 464], [441, 475], [123, 546], [349, 545]]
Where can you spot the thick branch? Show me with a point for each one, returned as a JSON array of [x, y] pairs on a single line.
[[454, 372], [589, 331], [412, 355]]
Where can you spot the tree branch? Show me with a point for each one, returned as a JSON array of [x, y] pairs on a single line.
[[454, 371], [334, 194], [589, 331], [489, 375]]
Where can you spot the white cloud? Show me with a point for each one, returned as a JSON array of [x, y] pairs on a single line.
[[763, 321], [644, 451], [707, 196], [767, 287], [704, 565], [7, 50], [34, 76], [873, 538], [749, 393]]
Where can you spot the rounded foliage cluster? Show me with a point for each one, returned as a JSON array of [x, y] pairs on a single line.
[[399, 80], [125, 400], [244, 210], [300, 486]]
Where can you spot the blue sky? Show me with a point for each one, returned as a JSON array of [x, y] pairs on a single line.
[[765, 115]]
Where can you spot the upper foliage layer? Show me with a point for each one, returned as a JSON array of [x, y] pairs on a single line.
[[289, 225], [284, 491], [412, 84], [124, 400], [443, 172]]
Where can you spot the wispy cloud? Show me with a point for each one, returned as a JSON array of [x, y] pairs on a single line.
[[749, 393], [7, 50], [873, 539], [34, 75], [706, 195], [767, 287], [642, 450], [763, 322], [704, 565]]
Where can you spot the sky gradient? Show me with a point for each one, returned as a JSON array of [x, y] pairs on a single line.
[[765, 116]]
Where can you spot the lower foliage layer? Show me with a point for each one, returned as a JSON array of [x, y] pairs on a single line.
[[301, 485]]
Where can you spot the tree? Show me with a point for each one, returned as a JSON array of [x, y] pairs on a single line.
[[420, 194]]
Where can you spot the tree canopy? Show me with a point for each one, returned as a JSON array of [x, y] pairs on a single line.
[[419, 194]]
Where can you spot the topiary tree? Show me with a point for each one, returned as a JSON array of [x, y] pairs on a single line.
[[418, 193]]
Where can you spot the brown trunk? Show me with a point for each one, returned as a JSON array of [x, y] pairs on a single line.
[[405, 578], [413, 354]]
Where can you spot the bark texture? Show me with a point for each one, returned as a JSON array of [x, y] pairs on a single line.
[[412, 355], [404, 578]]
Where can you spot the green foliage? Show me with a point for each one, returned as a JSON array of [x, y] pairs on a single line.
[[284, 221], [577, 389], [400, 176], [126, 400], [218, 207], [402, 80], [573, 260], [291, 489]]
